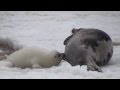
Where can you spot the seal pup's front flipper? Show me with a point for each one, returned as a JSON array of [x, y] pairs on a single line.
[[37, 66]]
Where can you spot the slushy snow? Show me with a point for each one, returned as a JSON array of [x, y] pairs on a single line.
[[48, 29]]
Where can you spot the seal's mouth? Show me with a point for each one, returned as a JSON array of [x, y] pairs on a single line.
[[69, 61], [62, 56]]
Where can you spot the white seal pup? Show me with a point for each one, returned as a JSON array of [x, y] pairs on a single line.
[[91, 47], [35, 57]]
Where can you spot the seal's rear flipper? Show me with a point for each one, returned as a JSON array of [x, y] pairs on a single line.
[[10, 65], [116, 43]]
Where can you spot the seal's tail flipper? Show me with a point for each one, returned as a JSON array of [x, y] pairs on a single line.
[[116, 43], [7, 46]]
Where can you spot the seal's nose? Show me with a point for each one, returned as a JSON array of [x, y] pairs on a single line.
[[62, 55]]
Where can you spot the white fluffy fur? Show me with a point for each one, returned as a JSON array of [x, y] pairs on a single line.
[[34, 57]]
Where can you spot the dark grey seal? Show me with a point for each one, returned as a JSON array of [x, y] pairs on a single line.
[[91, 47], [7, 47]]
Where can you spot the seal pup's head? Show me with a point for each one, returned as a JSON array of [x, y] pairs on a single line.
[[56, 56]]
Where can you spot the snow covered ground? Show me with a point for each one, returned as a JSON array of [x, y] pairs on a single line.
[[49, 29]]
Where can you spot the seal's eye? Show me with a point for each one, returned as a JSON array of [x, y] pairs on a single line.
[[57, 55]]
